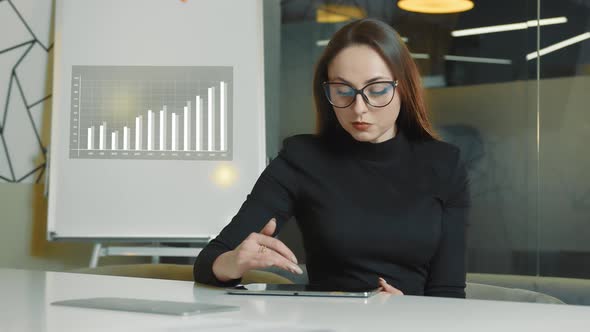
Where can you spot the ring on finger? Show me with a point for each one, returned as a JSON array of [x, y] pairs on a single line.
[[262, 249]]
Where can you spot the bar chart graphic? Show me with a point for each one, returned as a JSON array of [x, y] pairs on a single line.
[[151, 112]]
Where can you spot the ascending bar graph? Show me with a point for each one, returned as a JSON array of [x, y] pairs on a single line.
[[151, 112]]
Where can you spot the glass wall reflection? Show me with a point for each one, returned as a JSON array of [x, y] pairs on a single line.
[[564, 122], [521, 123]]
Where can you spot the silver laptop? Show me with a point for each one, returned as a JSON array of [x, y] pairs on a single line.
[[146, 306]]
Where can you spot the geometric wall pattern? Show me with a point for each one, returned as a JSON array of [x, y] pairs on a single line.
[[25, 88]]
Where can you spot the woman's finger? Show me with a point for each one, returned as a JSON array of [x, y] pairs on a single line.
[[270, 227], [269, 257], [388, 288], [276, 245]]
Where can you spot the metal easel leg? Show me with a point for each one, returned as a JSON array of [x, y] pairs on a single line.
[[156, 259], [95, 255]]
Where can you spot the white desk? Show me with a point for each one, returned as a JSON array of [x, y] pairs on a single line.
[[25, 298]]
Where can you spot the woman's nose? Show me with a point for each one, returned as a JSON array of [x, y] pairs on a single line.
[[359, 106]]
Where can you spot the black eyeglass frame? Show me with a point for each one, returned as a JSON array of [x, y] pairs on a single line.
[[361, 91]]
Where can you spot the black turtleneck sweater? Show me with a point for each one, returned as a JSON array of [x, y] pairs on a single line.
[[396, 209]]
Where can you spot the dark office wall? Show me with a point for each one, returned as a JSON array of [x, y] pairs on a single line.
[[531, 207]]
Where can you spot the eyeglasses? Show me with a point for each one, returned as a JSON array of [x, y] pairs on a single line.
[[376, 94]]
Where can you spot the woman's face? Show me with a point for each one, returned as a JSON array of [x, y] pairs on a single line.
[[359, 65]]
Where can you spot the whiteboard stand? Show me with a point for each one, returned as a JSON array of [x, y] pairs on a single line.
[[156, 250]]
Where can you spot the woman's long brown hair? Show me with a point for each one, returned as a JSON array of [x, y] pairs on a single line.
[[412, 120]]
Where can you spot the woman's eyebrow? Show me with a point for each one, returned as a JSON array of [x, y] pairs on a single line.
[[378, 78], [374, 79]]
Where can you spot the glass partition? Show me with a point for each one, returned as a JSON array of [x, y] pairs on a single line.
[[511, 95]]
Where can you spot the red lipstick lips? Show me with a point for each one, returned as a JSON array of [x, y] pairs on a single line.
[[362, 126]]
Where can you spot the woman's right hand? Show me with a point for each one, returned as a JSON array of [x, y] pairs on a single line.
[[258, 250]]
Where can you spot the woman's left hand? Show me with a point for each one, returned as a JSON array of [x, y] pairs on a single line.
[[387, 288]]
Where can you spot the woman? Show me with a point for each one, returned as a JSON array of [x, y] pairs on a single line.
[[379, 200]]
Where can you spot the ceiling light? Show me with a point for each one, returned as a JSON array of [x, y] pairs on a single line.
[[435, 6], [420, 56], [331, 13], [426, 56], [324, 42], [558, 46], [508, 27], [477, 59]]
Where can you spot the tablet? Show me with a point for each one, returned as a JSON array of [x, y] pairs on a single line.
[[298, 290], [146, 306]]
